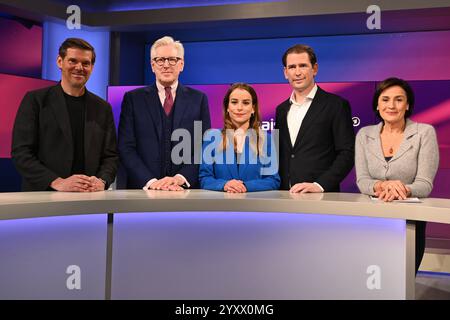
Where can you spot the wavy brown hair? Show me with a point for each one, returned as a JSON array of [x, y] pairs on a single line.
[[255, 119]]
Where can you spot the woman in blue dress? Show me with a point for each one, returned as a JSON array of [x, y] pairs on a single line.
[[241, 157]]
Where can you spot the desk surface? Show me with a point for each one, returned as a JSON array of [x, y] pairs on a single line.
[[44, 204]]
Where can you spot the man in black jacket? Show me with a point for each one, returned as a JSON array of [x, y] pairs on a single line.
[[64, 136], [315, 127]]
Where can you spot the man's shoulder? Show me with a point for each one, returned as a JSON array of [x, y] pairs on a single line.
[[42, 92], [286, 103], [96, 99], [100, 104], [140, 90], [191, 91], [152, 88], [331, 97]]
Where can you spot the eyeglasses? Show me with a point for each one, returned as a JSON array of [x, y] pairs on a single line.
[[172, 60]]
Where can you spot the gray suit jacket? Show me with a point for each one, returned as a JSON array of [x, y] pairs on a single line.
[[415, 163]]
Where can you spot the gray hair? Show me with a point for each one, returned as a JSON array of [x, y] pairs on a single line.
[[167, 41]]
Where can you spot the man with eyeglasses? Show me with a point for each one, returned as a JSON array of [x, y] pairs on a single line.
[[64, 137], [150, 115]]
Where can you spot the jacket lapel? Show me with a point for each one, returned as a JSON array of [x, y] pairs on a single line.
[[180, 105], [90, 123], [231, 167], [284, 109], [410, 130], [58, 103], [374, 142], [317, 105], [243, 167], [152, 103]]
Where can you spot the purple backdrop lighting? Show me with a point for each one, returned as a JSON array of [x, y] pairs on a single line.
[[432, 106], [269, 95], [13, 88], [164, 4], [21, 48]]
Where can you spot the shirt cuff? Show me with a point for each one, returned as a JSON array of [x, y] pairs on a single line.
[[149, 183], [104, 182], [319, 186], [184, 179]]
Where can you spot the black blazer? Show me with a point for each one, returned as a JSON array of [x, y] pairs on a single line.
[[324, 149], [42, 145]]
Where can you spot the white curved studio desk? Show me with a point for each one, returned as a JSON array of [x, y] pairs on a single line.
[[208, 245]]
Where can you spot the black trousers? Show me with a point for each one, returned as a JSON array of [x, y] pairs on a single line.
[[421, 227]]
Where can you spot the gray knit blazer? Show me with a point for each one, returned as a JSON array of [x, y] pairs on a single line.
[[415, 163]]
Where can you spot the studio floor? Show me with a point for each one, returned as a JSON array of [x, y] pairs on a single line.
[[432, 286]]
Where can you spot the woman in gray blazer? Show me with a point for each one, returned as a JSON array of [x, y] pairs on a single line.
[[397, 158]]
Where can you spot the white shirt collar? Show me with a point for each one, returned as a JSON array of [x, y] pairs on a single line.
[[310, 95], [173, 86]]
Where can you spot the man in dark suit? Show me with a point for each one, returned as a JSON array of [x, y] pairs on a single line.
[[151, 115], [64, 136], [316, 131]]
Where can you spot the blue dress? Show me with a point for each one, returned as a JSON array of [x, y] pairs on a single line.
[[259, 173]]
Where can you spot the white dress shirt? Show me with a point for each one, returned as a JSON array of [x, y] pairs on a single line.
[[297, 113], [162, 91], [239, 139]]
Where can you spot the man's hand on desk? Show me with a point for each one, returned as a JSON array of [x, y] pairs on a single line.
[[74, 183], [305, 187], [168, 184]]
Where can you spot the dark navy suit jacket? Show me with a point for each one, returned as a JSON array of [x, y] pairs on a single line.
[[140, 132]]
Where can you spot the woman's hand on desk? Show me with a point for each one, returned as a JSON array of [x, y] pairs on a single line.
[[390, 190], [235, 186]]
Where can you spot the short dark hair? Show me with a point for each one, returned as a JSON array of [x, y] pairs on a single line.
[[391, 82], [300, 48], [76, 43]]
